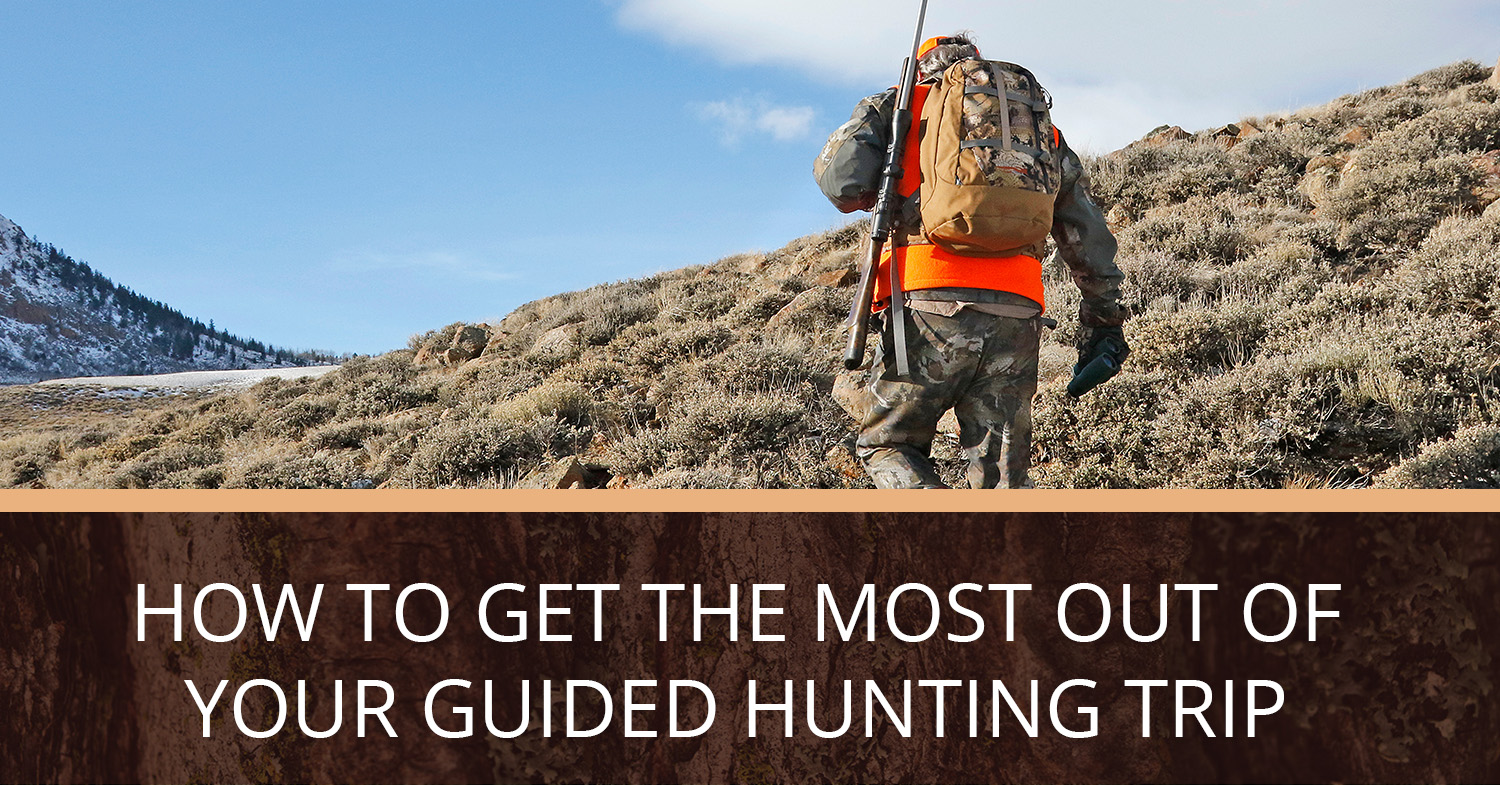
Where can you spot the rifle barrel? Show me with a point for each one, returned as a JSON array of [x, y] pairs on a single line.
[[883, 216]]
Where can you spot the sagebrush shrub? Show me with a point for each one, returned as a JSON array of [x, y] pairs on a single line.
[[212, 430], [468, 451], [1456, 269], [1471, 459], [643, 452], [294, 419], [1449, 76], [675, 345], [1411, 177], [350, 435], [1269, 164], [25, 458], [816, 311], [173, 466], [708, 478], [292, 472], [710, 421], [614, 314], [374, 395], [1200, 231], [763, 367], [1200, 170], [698, 299], [566, 401]]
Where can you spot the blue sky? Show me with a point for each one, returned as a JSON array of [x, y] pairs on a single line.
[[340, 175]]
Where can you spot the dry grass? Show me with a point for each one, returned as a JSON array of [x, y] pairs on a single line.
[[1285, 336]]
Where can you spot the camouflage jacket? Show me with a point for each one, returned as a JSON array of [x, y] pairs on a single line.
[[848, 172]]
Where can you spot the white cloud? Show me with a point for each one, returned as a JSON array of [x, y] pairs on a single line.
[[1204, 61], [741, 117]]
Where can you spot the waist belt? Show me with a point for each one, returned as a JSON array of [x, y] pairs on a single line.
[[950, 300], [951, 307], [969, 295]]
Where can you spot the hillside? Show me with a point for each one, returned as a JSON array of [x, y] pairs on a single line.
[[1315, 297], [59, 318]]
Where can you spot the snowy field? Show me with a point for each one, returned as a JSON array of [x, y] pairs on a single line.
[[193, 380]]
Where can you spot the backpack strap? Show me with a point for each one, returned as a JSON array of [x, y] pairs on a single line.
[[1020, 148], [1004, 96], [1009, 96]]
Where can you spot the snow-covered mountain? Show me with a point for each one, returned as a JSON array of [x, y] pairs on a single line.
[[59, 318]]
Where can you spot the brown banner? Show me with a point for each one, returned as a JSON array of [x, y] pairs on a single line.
[[1366, 652]]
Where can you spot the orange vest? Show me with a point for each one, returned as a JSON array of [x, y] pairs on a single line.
[[931, 267]]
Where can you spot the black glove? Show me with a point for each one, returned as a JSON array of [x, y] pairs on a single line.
[[1100, 354], [1098, 341]]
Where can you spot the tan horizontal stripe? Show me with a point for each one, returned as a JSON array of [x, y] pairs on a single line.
[[860, 501]]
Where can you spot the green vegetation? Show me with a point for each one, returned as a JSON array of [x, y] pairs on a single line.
[[1314, 298]]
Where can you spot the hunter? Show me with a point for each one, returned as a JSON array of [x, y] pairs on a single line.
[[973, 322]]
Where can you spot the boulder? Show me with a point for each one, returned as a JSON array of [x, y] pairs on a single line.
[[1487, 191], [852, 393], [1324, 174], [558, 340], [748, 263], [1495, 77], [1165, 135], [1355, 136], [518, 320], [1226, 135], [843, 461], [565, 474], [1327, 162], [1317, 186], [467, 342], [837, 279]]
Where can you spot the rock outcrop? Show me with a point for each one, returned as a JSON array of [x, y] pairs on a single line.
[[1355, 136], [1165, 135], [456, 346]]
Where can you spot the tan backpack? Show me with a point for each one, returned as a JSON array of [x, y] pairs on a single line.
[[990, 168]]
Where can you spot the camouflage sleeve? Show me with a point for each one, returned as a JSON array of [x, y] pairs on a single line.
[[1086, 245], [848, 169]]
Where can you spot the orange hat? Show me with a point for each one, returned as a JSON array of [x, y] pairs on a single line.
[[933, 43]]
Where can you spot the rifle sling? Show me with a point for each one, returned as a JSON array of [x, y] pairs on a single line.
[[898, 321]]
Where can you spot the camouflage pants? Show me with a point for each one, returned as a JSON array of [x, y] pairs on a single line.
[[982, 367]]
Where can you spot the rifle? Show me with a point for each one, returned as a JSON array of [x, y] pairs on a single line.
[[881, 222]]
